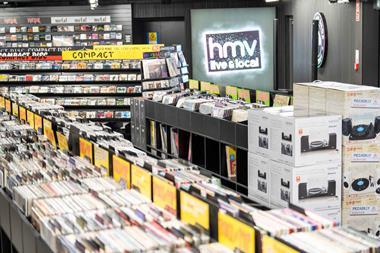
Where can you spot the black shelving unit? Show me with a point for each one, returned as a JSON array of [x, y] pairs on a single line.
[[28, 71], [208, 137]]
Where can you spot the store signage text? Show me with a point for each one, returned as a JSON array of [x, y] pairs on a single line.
[[81, 20], [233, 51]]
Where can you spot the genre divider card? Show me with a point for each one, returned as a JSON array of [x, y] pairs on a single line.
[[85, 149], [62, 142], [235, 234], [102, 160], [165, 194], [193, 84], [14, 109], [205, 86], [214, 89], [232, 92], [22, 113], [30, 118], [194, 211], [263, 97], [121, 171], [38, 123], [244, 95], [48, 132], [270, 245], [280, 100], [2, 102], [142, 180], [8, 106]]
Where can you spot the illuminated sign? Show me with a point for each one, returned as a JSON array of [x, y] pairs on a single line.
[[233, 51]]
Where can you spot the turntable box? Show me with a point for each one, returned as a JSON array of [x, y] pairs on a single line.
[[260, 122], [361, 180], [361, 128], [302, 141], [335, 98], [316, 188], [259, 178], [362, 214]]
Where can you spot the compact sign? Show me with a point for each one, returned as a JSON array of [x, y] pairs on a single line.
[[233, 51]]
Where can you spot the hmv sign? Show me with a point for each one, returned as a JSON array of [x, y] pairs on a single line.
[[233, 51]]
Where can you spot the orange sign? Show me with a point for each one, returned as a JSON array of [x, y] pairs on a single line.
[[121, 171], [142, 181], [165, 194], [85, 149]]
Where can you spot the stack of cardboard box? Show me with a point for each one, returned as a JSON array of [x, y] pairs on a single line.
[[295, 159], [360, 110]]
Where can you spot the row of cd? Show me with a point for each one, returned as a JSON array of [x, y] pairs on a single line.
[[61, 28], [73, 89], [49, 37], [70, 78], [71, 65], [88, 101], [60, 43]]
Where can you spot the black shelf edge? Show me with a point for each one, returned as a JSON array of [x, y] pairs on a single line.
[[85, 94], [110, 119], [96, 107], [16, 71]]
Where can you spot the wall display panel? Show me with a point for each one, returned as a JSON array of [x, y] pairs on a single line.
[[234, 46]]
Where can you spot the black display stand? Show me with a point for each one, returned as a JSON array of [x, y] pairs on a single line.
[[209, 136], [17, 234]]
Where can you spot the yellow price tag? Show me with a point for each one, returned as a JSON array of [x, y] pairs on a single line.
[[235, 234], [2, 102], [270, 245], [62, 142], [205, 86], [194, 211], [165, 195], [48, 132], [263, 97], [85, 149], [142, 181], [232, 92], [22, 113], [121, 171], [244, 95], [38, 123], [8, 106], [102, 160], [193, 84], [30, 118]]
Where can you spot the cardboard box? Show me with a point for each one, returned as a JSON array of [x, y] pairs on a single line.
[[259, 179], [362, 213], [296, 141], [316, 188]]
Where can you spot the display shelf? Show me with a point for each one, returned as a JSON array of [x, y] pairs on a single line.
[[92, 95], [18, 83], [97, 107], [109, 119], [207, 138]]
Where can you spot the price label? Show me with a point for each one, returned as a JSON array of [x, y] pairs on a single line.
[[270, 245], [121, 171], [2, 102], [48, 132], [62, 142], [193, 84], [232, 92], [15, 109], [280, 100], [102, 160], [263, 97], [85, 149], [142, 181], [165, 194], [22, 113], [194, 211], [244, 95], [8, 106], [30, 118], [38, 123], [235, 234]]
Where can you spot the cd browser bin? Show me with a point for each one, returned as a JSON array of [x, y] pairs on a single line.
[[209, 138]]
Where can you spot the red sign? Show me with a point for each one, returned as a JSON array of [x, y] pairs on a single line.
[[34, 20]]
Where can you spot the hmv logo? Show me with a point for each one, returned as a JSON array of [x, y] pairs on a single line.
[[233, 51]]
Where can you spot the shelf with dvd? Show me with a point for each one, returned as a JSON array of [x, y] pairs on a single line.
[[20, 83], [92, 95], [97, 107]]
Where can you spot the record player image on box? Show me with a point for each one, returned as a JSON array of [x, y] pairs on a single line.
[[362, 185], [286, 144], [305, 193], [285, 190], [262, 184], [263, 138], [361, 131], [310, 146]]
